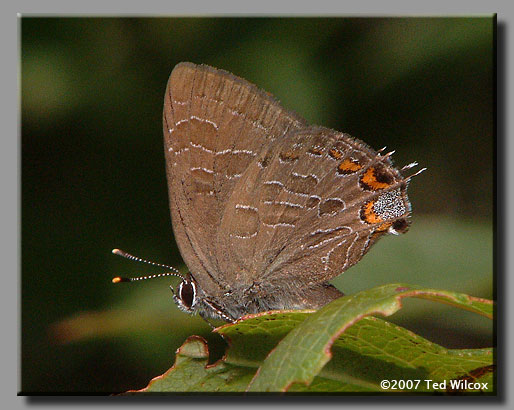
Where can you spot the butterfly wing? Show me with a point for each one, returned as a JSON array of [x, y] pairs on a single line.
[[318, 200], [215, 124]]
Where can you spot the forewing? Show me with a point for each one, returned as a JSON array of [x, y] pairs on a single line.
[[215, 124]]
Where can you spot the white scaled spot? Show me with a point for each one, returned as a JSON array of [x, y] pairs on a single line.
[[241, 206], [205, 120], [209, 171], [389, 205], [393, 231]]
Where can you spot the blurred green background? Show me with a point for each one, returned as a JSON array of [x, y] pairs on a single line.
[[93, 175]]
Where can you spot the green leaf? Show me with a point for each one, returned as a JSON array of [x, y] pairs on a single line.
[[302, 354], [191, 373], [339, 348]]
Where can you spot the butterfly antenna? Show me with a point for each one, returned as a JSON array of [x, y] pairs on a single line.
[[119, 279], [126, 255]]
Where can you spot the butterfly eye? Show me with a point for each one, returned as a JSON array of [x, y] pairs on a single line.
[[186, 293]]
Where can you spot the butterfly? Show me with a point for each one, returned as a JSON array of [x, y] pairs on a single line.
[[266, 208]]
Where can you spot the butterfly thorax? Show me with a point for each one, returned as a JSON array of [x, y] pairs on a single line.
[[255, 298]]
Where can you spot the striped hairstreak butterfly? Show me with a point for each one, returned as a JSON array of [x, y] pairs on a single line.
[[266, 208]]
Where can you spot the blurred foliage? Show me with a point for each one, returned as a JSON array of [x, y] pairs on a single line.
[[93, 170]]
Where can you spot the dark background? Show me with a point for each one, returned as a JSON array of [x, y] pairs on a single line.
[[93, 175]]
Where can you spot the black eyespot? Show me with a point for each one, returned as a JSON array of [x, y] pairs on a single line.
[[186, 293], [383, 175], [400, 225]]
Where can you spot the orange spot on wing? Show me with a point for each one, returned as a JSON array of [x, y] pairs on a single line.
[[288, 156], [369, 179], [348, 166], [384, 227], [335, 153], [368, 214]]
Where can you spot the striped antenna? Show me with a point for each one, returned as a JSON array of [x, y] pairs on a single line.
[[126, 255]]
